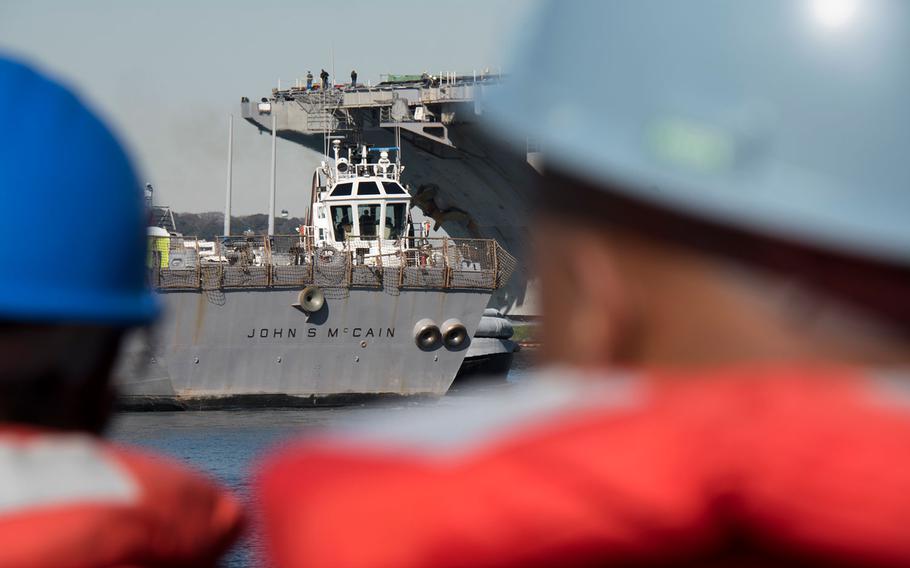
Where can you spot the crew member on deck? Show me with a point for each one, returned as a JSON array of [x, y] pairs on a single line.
[[367, 224], [343, 228], [324, 75], [354, 78], [68, 497], [724, 252]]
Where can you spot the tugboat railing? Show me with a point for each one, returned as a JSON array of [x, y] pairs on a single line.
[[288, 261]]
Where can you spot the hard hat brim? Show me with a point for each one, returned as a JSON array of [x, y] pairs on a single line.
[[40, 306]]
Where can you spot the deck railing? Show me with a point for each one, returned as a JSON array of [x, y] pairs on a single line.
[[291, 261]]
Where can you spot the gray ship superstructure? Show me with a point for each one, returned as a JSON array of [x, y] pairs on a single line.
[[362, 301], [461, 182]]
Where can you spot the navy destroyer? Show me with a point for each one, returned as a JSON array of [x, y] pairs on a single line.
[[363, 300]]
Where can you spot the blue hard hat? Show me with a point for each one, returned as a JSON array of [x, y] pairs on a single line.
[[74, 224], [784, 117]]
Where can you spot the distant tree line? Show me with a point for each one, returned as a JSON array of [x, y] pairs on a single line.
[[210, 225]]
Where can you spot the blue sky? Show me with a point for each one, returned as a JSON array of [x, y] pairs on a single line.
[[166, 74]]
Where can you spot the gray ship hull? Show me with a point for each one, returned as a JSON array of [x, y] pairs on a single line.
[[251, 343]]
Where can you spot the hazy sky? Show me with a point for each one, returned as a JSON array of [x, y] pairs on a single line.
[[168, 73]]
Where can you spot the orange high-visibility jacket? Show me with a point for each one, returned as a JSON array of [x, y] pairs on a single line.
[[71, 500], [775, 466]]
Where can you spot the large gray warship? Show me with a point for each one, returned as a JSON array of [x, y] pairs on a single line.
[[382, 292], [362, 301]]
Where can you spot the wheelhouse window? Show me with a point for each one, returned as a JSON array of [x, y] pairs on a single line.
[[342, 189], [342, 222], [394, 220], [368, 217], [392, 188], [367, 188]]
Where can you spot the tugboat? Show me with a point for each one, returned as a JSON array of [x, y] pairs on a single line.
[[359, 303], [362, 207]]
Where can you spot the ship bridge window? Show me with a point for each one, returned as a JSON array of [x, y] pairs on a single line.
[[342, 189], [367, 216], [342, 221], [393, 188], [394, 220], [367, 188]]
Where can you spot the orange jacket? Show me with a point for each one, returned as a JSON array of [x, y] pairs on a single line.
[[71, 500], [763, 466]]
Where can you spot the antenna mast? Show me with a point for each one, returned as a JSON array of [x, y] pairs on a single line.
[[230, 175]]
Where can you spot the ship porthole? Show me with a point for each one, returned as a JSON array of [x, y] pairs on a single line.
[[427, 335], [311, 299], [454, 334]]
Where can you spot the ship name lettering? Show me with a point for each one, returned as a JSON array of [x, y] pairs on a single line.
[[332, 332]]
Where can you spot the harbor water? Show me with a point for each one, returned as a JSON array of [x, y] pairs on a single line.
[[226, 444]]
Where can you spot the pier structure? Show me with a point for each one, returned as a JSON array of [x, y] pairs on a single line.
[[463, 183]]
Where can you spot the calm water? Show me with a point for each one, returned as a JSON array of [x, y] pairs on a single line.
[[226, 444]]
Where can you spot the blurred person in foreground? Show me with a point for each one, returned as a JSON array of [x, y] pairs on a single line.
[[724, 249], [72, 283]]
